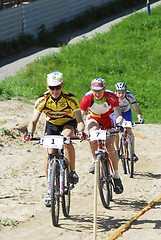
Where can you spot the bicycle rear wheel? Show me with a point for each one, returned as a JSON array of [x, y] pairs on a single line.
[[122, 157], [105, 190], [55, 189], [129, 158], [66, 192]]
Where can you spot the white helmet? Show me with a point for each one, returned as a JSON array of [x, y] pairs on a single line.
[[120, 86], [54, 78]]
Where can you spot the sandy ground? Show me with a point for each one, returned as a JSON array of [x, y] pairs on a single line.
[[23, 183], [23, 187]]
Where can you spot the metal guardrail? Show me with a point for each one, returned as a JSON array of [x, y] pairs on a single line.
[[12, 3], [28, 17]]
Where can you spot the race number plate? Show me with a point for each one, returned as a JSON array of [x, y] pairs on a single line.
[[98, 135], [127, 124], [53, 141]]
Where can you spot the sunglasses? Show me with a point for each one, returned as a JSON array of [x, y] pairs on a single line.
[[120, 92], [99, 91], [55, 87]]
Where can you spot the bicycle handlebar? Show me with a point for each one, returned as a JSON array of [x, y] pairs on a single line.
[[135, 123], [36, 139], [66, 140], [108, 134]]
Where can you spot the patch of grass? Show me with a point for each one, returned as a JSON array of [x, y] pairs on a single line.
[[7, 222], [3, 122], [4, 130], [129, 52]]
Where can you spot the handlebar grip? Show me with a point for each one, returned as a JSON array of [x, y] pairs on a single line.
[[35, 139], [135, 123]]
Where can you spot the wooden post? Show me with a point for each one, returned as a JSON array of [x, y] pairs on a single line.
[[95, 201]]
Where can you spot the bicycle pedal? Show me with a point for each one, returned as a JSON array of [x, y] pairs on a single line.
[[48, 203], [71, 187], [66, 190]]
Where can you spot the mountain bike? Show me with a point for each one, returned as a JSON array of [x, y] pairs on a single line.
[[59, 187], [105, 169], [126, 150]]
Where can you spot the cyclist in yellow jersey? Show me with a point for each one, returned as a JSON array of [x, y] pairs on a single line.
[[63, 116]]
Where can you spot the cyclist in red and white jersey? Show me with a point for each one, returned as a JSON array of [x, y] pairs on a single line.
[[100, 104], [126, 98]]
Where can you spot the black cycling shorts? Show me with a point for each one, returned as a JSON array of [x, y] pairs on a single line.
[[52, 129]]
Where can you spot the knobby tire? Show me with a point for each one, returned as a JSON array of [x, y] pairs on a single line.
[[55, 189], [122, 156], [66, 192], [129, 159], [105, 190]]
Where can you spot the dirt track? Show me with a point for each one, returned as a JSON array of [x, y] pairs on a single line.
[[23, 215], [23, 186]]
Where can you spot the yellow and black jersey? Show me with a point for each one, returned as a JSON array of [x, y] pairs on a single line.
[[58, 111]]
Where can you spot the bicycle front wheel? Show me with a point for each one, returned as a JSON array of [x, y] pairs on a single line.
[[103, 184], [129, 158], [122, 157], [66, 191], [55, 189]]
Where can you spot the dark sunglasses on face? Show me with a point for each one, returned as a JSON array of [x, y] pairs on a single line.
[[55, 87], [97, 91]]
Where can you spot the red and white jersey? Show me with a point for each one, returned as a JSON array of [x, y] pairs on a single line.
[[102, 108], [125, 103]]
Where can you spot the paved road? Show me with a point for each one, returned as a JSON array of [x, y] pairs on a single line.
[[9, 69]]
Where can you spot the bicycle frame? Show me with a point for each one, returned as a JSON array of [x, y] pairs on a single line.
[[126, 149], [103, 151], [105, 168], [125, 135]]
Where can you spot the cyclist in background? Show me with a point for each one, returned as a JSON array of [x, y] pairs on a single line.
[[125, 99], [63, 116], [100, 104]]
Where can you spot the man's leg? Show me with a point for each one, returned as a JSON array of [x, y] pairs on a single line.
[[68, 131], [112, 152], [92, 125], [135, 158], [118, 188]]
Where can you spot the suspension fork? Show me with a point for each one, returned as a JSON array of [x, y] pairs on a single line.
[[126, 135], [107, 160], [100, 144], [101, 149], [51, 158], [49, 172], [62, 172], [124, 141]]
